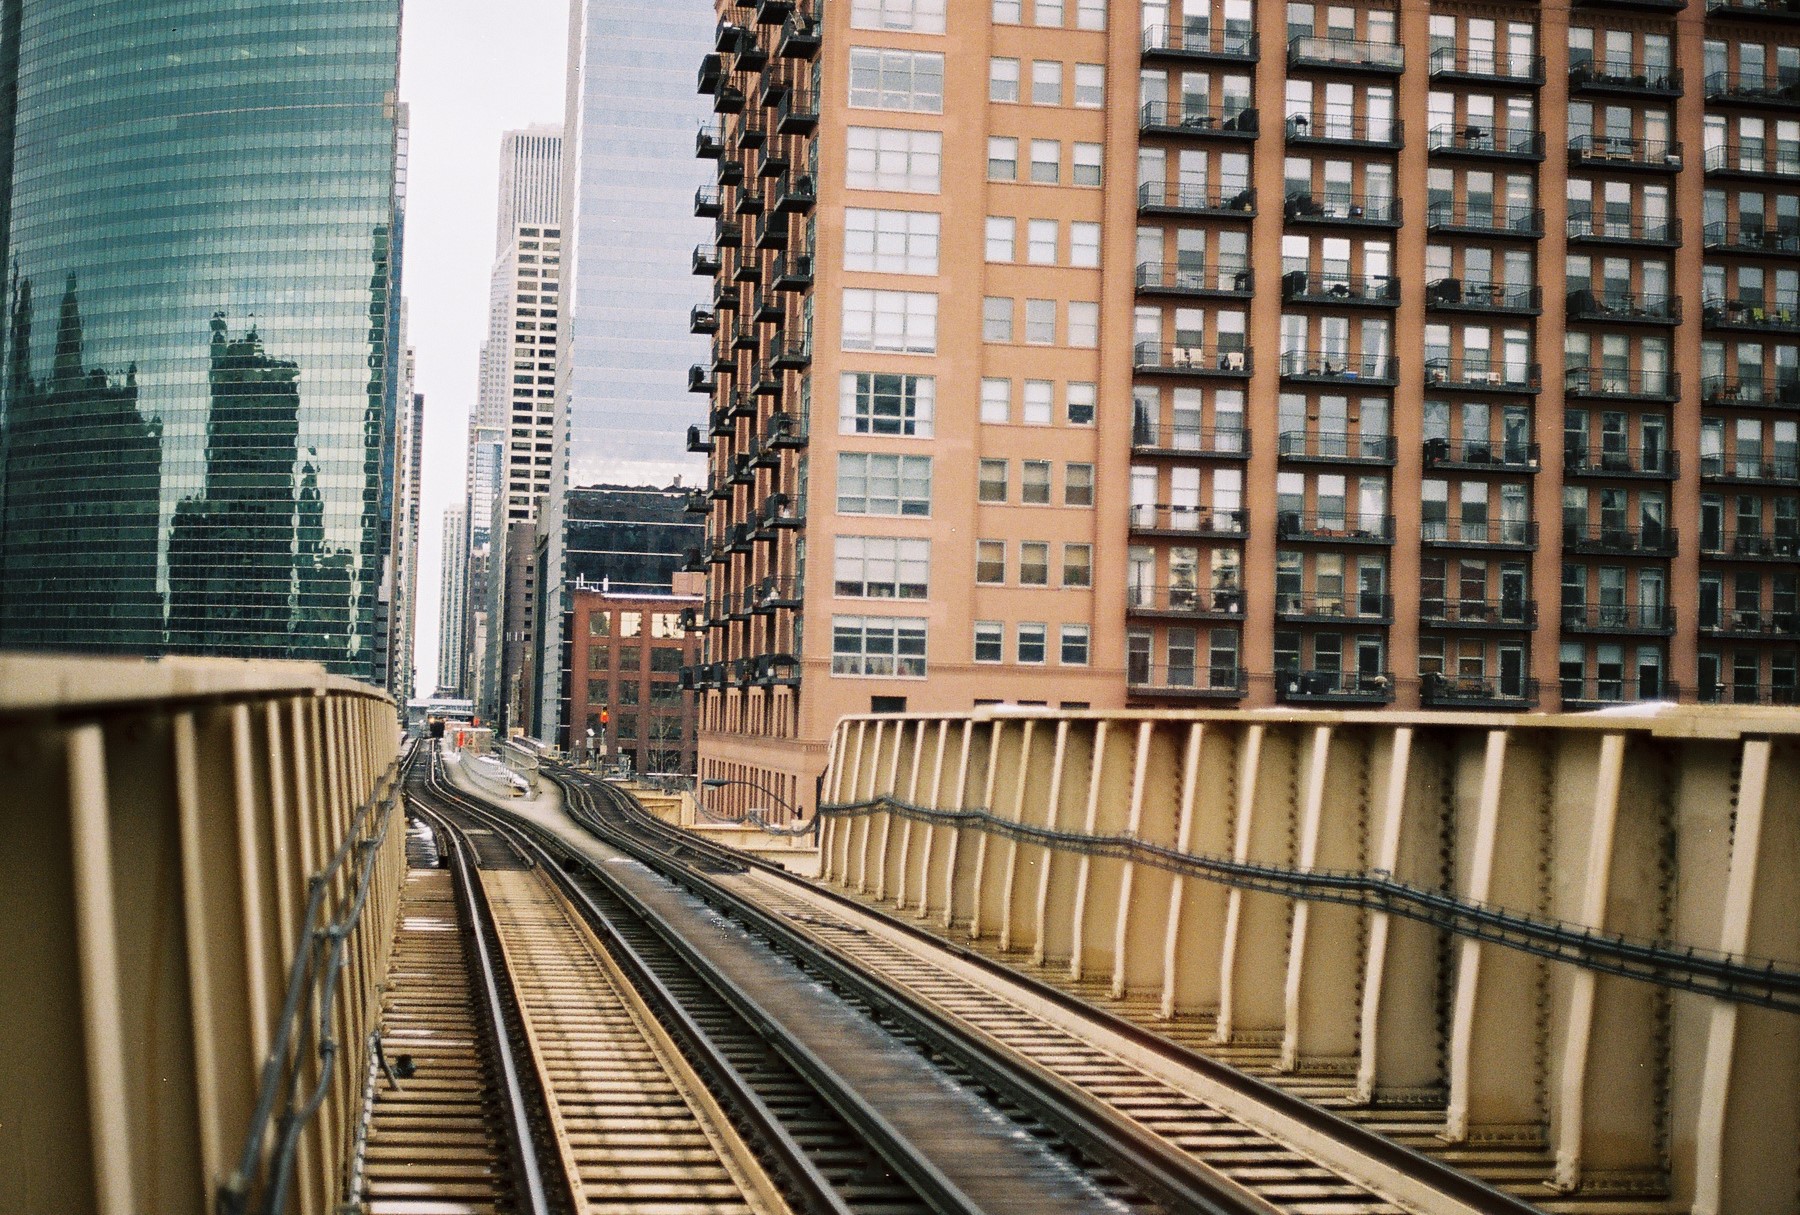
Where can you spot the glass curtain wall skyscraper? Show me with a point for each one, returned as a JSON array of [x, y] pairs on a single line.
[[200, 227]]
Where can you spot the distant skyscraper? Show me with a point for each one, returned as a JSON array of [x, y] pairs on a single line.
[[628, 236], [193, 450], [530, 180], [406, 540], [453, 603]]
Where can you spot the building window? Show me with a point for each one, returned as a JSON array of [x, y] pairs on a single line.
[[1003, 80], [1078, 485], [1078, 565], [883, 485], [1085, 164], [1090, 85], [1081, 398], [1084, 324], [881, 567], [992, 484], [1040, 322], [1003, 158], [1006, 12], [996, 401], [916, 16], [900, 322], [990, 641], [1040, 402], [878, 158], [1048, 12], [1040, 242], [996, 319], [1084, 244], [990, 562], [891, 242], [1046, 82], [881, 403], [1074, 645], [1034, 482], [1002, 238], [1046, 161], [1031, 643], [1034, 563], [878, 645], [885, 79], [1091, 14]]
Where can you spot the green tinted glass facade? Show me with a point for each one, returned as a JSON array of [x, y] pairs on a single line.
[[198, 215]]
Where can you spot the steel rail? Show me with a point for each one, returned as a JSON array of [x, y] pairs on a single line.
[[1357, 1138], [1141, 1156], [552, 856], [517, 1116]]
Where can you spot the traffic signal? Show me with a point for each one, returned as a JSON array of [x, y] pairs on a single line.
[[605, 719]]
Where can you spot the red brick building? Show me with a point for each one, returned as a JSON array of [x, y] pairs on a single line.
[[627, 659]]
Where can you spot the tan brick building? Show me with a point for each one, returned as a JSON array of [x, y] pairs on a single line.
[[628, 652], [1245, 352]]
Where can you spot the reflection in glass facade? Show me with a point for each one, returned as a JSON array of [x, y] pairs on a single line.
[[199, 219]]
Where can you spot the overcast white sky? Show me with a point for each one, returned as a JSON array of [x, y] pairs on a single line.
[[470, 69]]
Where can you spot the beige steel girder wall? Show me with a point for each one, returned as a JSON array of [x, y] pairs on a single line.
[[1678, 827], [163, 823]]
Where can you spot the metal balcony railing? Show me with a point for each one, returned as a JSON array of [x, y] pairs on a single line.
[[1596, 228], [1618, 383], [1754, 160], [1196, 118], [1353, 608], [1594, 692], [1506, 614], [1334, 527], [1625, 76], [1768, 316], [1623, 306], [1484, 219], [1609, 539], [1155, 438], [1617, 618], [1178, 359], [1747, 693], [1751, 239], [1482, 373], [1342, 687], [1346, 130], [1656, 463], [1750, 468], [1758, 393], [1779, 10], [1174, 679], [1188, 520], [1346, 54], [1304, 287], [1225, 601], [1625, 152], [1488, 142], [1438, 691], [1751, 622], [1369, 210], [1176, 278], [1473, 295], [1485, 66], [1481, 455], [1185, 198], [1337, 366], [1519, 534], [1336, 447], [1200, 40]]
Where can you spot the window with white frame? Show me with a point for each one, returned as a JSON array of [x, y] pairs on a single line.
[[1002, 237], [882, 78], [1047, 12], [1078, 485], [1040, 242], [1030, 637], [1046, 161], [1003, 80], [990, 641], [915, 16], [900, 322], [1040, 402], [1046, 82], [1034, 482], [1003, 158], [1091, 14], [996, 401], [881, 567], [1078, 565], [870, 484], [1006, 12], [880, 158], [1034, 563], [1084, 243], [996, 319], [1085, 164], [1090, 85], [891, 242], [1084, 324], [883, 403], [1074, 645], [878, 645], [990, 484], [990, 562], [1081, 397], [1040, 322]]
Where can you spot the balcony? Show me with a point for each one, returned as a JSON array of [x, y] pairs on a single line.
[[729, 99], [1330, 128], [731, 172], [699, 440], [1623, 307], [772, 232], [792, 272], [1499, 535], [728, 234], [1756, 10], [1462, 66], [709, 144], [1155, 357], [1647, 6], [1655, 464], [1357, 608], [1749, 316], [1484, 143], [1175, 278], [1618, 229], [1334, 687], [1196, 120], [1186, 682], [1336, 447], [1625, 78], [1338, 367], [1753, 89], [1751, 625], [772, 162], [712, 71], [1159, 519], [1748, 693], [792, 355], [1481, 455], [706, 259], [743, 334], [765, 307], [1302, 287], [779, 593], [773, 12], [1342, 210], [1477, 692], [1334, 528], [795, 194], [1781, 549], [800, 38], [1169, 198], [764, 379], [1624, 152], [1726, 468], [1749, 394], [1484, 219], [797, 113], [779, 511], [1470, 295], [1750, 240], [1346, 55], [1202, 42], [785, 432], [1472, 373], [1582, 694], [1153, 439], [1637, 619], [1754, 161], [1620, 384], [1487, 615], [749, 201], [741, 405], [700, 378], [1185, 602], [720, 423], [1604, 540], [702, 319], [706, 202]]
